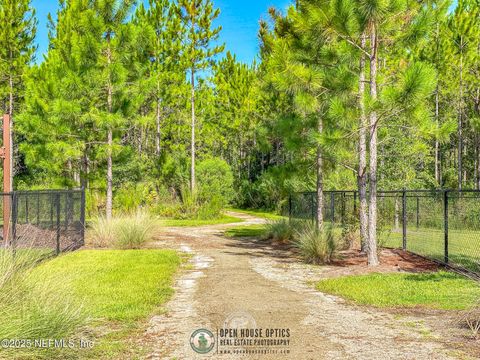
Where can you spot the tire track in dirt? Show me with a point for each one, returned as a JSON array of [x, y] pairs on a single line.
[[227, 276]]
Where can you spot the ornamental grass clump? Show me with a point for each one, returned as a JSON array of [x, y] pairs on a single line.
[[316, 245], [33, 307], [123, 232]]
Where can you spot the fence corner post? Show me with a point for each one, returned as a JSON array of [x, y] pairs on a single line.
[[445, 220], [404, 220], [14, 220], [57, 205]]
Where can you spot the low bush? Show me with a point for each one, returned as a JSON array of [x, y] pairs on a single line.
[[316, 245], [124, 232], [282, 230], [34, 307], [134, 231]]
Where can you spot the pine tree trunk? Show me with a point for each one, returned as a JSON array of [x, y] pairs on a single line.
[[437, 145], [10, 112], [478, 163], [362, 154], [109, 202], [157, 120], [372, 256], [396, 215], [192, 166], [460, 121], [320, 198], [84, 171]]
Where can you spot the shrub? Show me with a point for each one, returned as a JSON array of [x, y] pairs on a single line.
[[128, 198], [281, 230], [215, 182], [124, 232], [33, 307], [316, 246]]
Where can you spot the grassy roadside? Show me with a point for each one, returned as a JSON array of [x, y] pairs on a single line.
[[189, 222], [119, 289], [441, 290], [256, 230], [258, 213]]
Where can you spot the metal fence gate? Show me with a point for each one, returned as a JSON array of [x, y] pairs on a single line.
[[442, 225], [49, 221]]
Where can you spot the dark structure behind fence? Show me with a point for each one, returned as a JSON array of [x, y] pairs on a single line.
[[50, 221], [443, 225]]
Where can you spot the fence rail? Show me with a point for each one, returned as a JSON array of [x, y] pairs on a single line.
[[48, 221], [442, 225]]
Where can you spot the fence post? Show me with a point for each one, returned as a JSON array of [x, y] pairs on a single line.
[[14, 219], [26, 208], [404, 220], [445, 217], [343, 208], [51, 209], [418, 212], [354, 202], [82, 214], [68, 208], [332, 206], [38, 209], [57, 204]]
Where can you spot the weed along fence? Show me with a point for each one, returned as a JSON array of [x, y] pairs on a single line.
[[442, 225], [48, 221]]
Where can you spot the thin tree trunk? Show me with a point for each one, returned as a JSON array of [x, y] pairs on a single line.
[[437, 145], [109, 202], [84, 171], [372, 256], [192, 166], [478, 163], [460, 121], [362, 154], [157, 119], [396, 215], [10, 112], [320, 198], [437, 112]]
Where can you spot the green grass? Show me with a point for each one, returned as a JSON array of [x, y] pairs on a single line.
[[464, 245], [441, 290], [259, 213], [246, 231], [117, 285], [194, 222], [119, 290]]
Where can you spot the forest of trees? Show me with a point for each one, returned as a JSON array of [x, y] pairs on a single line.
[[344, 94]]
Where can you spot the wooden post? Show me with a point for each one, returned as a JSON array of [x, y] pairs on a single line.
[[7, 186]]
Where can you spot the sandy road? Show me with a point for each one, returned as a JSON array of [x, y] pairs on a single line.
[[245, 282]]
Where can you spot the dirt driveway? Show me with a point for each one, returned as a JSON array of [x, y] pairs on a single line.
[[249, 283]]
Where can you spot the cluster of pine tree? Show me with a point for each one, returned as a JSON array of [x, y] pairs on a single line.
[[345, 94]]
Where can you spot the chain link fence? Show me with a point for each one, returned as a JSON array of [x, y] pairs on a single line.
[[442, 225], [47, 221]]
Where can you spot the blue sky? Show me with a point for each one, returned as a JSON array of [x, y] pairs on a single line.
[[238, 18]]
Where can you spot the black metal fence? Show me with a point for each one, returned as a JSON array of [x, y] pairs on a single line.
[[49, 221], [443, 225]]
